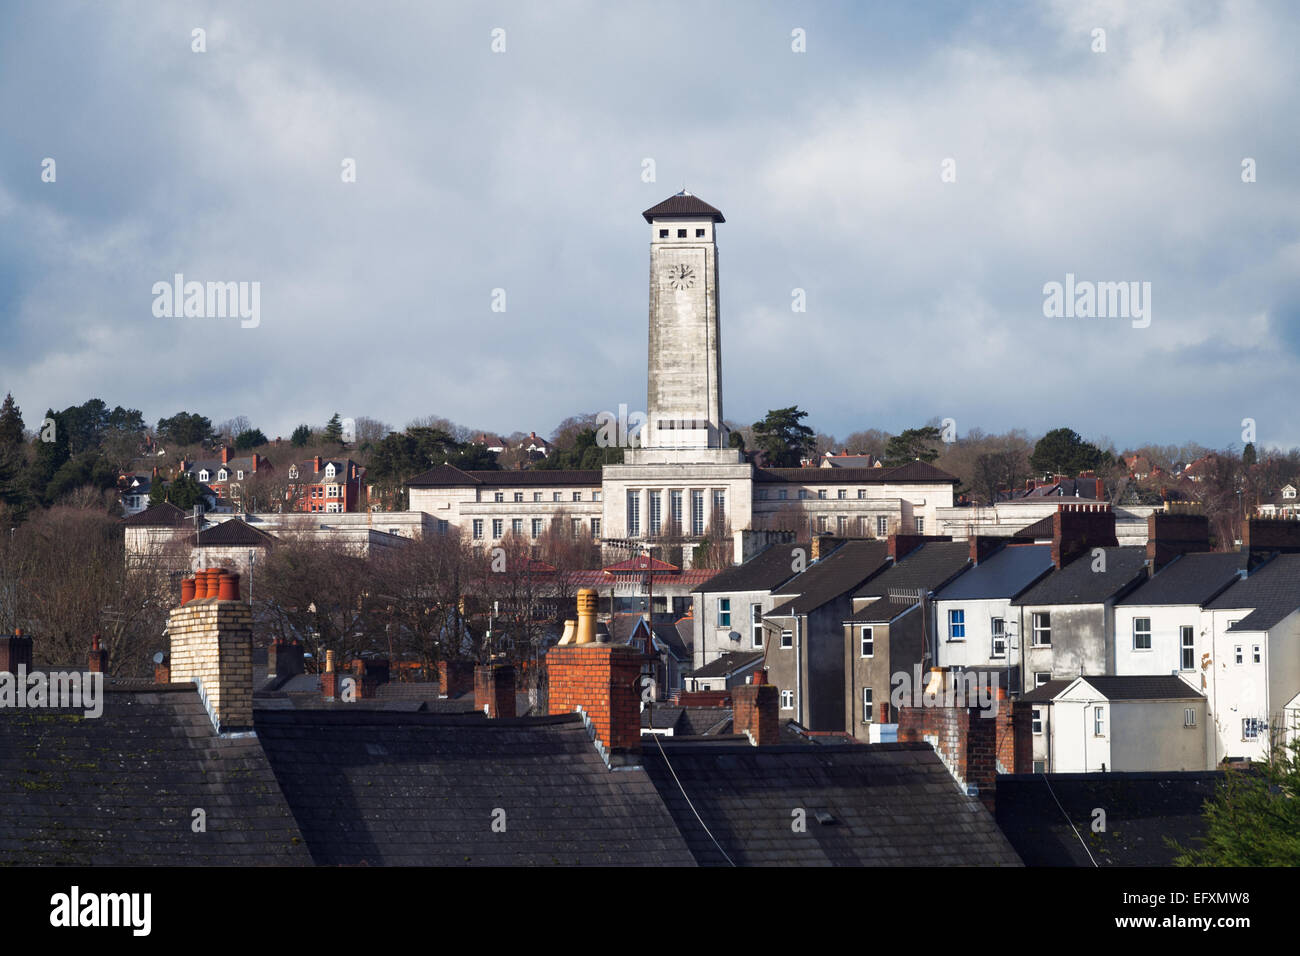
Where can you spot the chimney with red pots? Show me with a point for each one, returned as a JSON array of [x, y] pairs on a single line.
[[603, 681], [15, 652], [494, 689], [755, 710], [212, 646], [1078, 528], [98, 662]]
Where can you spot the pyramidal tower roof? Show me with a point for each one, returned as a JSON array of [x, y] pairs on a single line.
[[682, 205]]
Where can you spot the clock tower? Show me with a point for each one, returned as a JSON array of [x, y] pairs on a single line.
[[684, 401]]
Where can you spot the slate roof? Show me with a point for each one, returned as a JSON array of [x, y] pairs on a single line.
[[729, 663], [768, 569], [682, 204], [888, 805], [844, 569], [163, 514], [231, 534], [1077, 583], [1042, 528], [1271, 590], [1001, 575], [1142, 811], [926, 567], [1048, 691], [120, 789], [1136, 687], [422, 790], [448, 476], [914, 471], [1188, 579]]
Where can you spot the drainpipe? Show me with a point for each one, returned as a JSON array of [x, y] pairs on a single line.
[[798, 666]]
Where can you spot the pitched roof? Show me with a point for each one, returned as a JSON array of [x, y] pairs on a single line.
[[231, 534], [1001, 575], [925, 568], [730, 663], [879, 805], [1270, 591], [417, 789], [1047, 691], [1188, 579], [913, 471], [682, 205], [163, 514], [1077, 583], [1042, 528], [120, 789], [1139, 687], [840, 572], [770, 568], [641, 563]]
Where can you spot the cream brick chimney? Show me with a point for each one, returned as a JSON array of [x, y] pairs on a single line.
[[212, 645]]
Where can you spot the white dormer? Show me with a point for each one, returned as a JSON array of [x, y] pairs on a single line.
[[222, 475], [1288, 491], [293, 471], [203, 475], [329, 470]]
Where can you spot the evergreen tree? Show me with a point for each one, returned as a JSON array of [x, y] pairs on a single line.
[[783, 438], [334, 430], [1248, 456], [300, 437], [912, 444], [11, 423]]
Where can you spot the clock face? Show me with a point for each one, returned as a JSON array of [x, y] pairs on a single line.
[[681, 277]]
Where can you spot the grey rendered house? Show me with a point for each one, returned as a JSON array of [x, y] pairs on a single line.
[[728, 608]]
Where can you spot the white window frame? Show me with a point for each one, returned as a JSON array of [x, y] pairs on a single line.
[[1099, 721], [756, 625], [868, 707], [787, 700], [724, 613], [787, 638], [867, 642], [1045, 628], [1139, 632], [1185, 646], [998, 631], [956, 620], [1036, 724]]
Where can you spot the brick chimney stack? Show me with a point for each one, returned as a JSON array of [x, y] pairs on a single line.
[[1169, 535], [329, 679], [212, 645], [15, 651], [494, 689], [983, 548], [225, 455], [822, 545], [455, 678], [603, 680], [1262, 535], [162, 670], [284, 659], [755, 711], [901, 545], [98, 661], [316, 461], [1078, 528]]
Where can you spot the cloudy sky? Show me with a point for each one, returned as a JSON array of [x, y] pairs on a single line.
[[523, 170]]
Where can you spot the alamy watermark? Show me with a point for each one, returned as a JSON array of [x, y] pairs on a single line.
[[1101, 300], [952, 689], [211, 300], [74, 690]]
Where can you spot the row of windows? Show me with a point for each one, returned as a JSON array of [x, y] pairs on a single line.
[[804, 494], [681, 233], [655, 508], [535, 526], [541, 496]]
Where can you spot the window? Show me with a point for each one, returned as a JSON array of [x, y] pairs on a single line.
[[675, 512], [821, 523], [577, 496], [1256, 656], [761, 494], [517, 525], [575, 527], [519, 496], [537, 527], [203, 475], [1189, 716], [595, 527], [478, 528], [882, 526], [787, 700], [803, 493], [656, 511], [1041, 678], [1188, 640], [724, 612], [681, 233], [1099, 721], [699, 233], [555, 496], [842, 494], [498, 527], [920, 526], [957, 625], [332, 491], [787, 638], [756, 625], [443, 526], [537, 496], [867, 642], [1040, 766], [1042, 628], [633, 513], [841, 525], [866, 705], [293, 471], [239, 475], [1239, 654], [697, 513], [1038, 720], [821, 493], [998, 627], [222, 475], [719, 508], [499, 496], [862, 492], [595, 496], [663, 233], [329, 471], [782, 494], [1250, 728], [1141, 633]]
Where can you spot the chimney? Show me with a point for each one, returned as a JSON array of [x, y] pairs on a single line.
[[822, 545], [494, 689], [455, 678], [901, 545], [15, 652], [284, 659], [162, 669], [1172, 534], [1078, 528], [225, 455], [98, 662], [212, 645], [1261, 535], [983, 547], [329, 680], [316, 460], [602, 680], [255, 457], [754, 708], [370, 673]]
